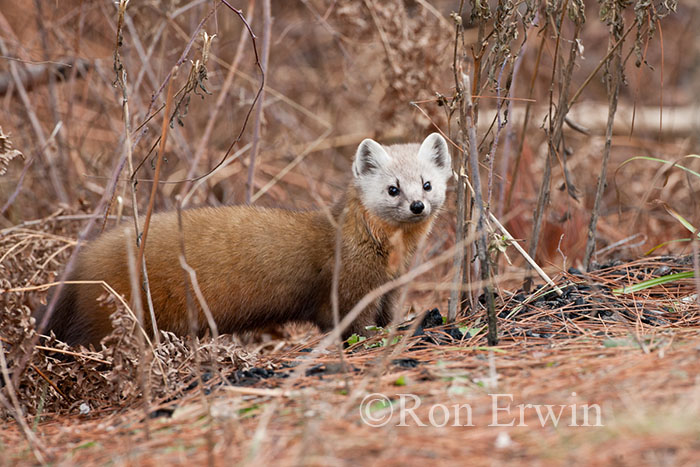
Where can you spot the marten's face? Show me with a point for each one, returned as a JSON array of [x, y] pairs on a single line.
[[403, 183]]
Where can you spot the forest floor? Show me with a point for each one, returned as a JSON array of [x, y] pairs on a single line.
[[592, 376]]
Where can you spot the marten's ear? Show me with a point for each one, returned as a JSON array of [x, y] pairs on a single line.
[[434, 149], [369, 156]]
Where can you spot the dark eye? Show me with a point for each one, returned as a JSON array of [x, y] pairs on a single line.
[[393, 191], [427, 186]]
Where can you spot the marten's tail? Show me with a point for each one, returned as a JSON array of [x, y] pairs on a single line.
[[63, 320]]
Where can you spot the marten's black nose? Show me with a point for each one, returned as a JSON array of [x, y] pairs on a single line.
[[417, 207]]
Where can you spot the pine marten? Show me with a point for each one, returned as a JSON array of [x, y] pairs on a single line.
[[258, 267]]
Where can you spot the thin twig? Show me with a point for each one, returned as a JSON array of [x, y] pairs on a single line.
[[38, 129], [469, 130], [613, 78], [137, 306], [121, 81], [335, 284], [288, 168], [554, 132], [18, 188], [257, 94], [459, 259], [526, 119], [16, 411], [524, 254], [592, 74], [151, 202], [192, 275], [53, 99], [185, 53], [220, 101], [267, 31]]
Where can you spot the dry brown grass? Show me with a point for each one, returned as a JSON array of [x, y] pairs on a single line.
[[642, 376], [341, 71]]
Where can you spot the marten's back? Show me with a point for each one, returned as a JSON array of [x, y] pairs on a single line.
[[254, 267]]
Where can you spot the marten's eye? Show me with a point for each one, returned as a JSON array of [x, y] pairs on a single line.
[[394, 191], [427, 186]]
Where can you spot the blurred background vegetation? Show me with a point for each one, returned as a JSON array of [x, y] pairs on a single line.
[[340, 71]]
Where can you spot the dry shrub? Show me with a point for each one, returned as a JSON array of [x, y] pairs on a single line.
[[7, 152], [413, 42], [53, 377]]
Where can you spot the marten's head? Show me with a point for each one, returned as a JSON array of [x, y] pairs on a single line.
[[403, 183]]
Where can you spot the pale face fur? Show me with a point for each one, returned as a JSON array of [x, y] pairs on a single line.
[[393, 179]]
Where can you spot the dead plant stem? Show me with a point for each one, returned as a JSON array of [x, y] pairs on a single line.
[[267, 31], [221, 99], [613, 78], [458, 263], [554, 132], [469, 128], [152, 200], [526, 119]]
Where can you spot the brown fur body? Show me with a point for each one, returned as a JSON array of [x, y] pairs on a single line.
[[255, 267]]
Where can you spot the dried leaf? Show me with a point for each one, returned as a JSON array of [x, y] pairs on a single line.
[[6, 152]]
